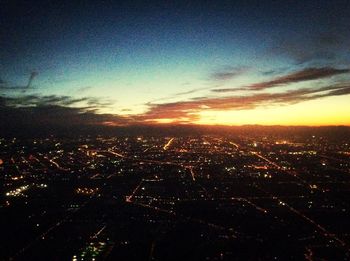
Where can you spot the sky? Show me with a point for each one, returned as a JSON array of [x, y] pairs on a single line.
[[183, 62]]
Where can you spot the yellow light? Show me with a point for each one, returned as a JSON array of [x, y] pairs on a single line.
[[311, 113]]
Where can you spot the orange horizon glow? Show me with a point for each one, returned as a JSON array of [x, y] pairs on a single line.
[[329, 111]]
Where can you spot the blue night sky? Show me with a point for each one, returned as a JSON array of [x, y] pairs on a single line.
[[203, 62]]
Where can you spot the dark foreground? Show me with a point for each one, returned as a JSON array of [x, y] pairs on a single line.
[[239, 197]]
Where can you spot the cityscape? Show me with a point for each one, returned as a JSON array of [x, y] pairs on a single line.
[[242, 196], [174, 130]]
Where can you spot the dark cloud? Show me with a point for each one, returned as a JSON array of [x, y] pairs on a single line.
[[36, 111], [337, 92], [31, 78], [329, 39], [99, 102], [35, 100], [228, 73], [229, 89], [299, 76], [269, 72], [6, 87], [307, 74], [54, 100], [304, 55], [274, 71], [322, 47]]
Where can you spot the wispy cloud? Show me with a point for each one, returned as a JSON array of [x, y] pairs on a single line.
[[179, 94], [192, 91], [228, 72], [83, 89], [299, 76], [189, 110], [220, 75], [229, 89], [307, 74]]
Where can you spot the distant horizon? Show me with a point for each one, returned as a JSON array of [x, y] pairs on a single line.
[[31, 131]]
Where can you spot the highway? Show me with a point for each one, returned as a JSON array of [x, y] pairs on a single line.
[[167, 145]]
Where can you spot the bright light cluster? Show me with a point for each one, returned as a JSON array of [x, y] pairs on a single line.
[[17, 192]]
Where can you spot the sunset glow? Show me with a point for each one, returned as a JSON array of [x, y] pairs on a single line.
[[198, 64]]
